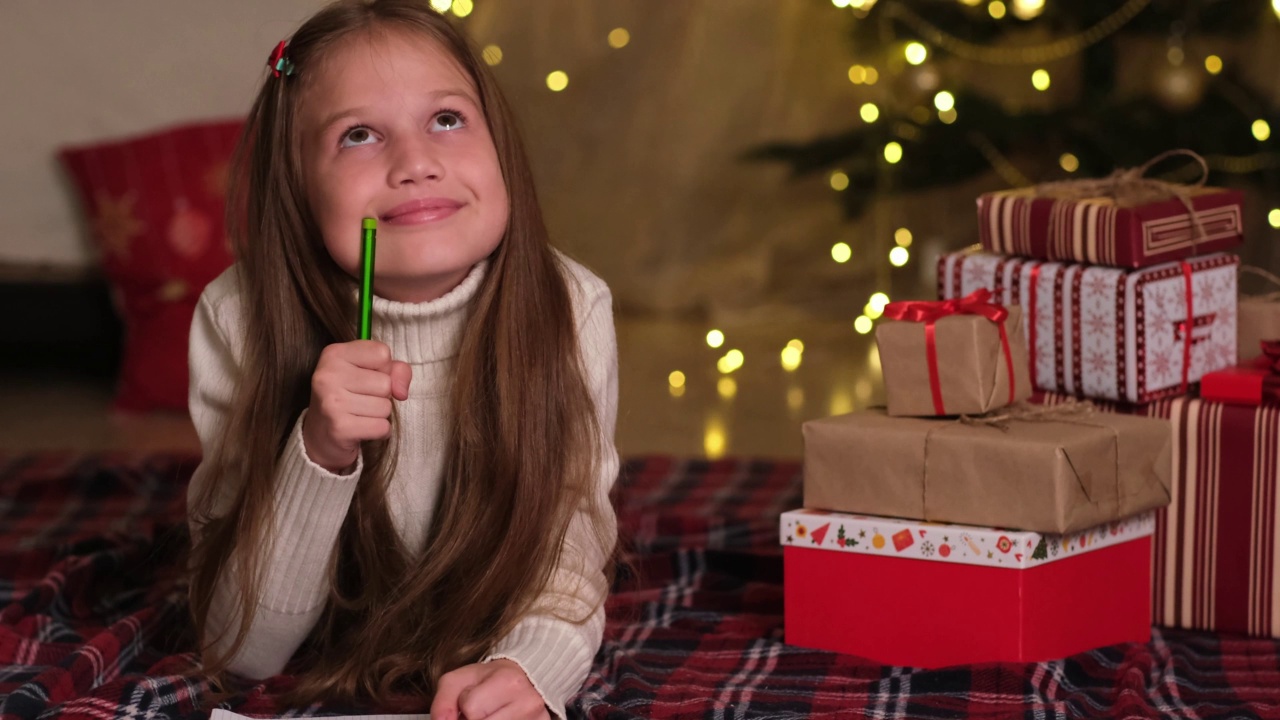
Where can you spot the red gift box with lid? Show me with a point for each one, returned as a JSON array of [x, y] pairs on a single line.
[[903, 592]]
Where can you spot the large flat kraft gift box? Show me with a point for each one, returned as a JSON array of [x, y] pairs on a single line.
[[1045, 474], [1217, 549], [927, 595], [1107, 333]]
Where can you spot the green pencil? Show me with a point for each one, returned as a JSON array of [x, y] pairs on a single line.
[[369, 235]]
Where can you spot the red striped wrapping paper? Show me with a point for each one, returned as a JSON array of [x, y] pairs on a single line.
[[1109, 333], [1216, 551], [1098, 231]]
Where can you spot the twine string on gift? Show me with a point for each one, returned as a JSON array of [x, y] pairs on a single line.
[[1265, 275], [929, 312], [1130, 186], [1068, 411]]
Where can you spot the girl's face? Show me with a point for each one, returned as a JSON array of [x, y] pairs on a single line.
[[392, 129]]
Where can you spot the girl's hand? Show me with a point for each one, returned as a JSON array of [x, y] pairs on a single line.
[[351, 391], [497, 690]]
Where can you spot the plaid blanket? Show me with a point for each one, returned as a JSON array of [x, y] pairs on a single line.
[[94, 621]]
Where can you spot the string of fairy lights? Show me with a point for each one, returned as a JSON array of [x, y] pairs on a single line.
[[915, 51]]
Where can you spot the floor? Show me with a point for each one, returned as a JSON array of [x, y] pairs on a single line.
[[755, 410]]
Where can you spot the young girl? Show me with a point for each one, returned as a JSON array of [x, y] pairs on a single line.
[[425, 513]]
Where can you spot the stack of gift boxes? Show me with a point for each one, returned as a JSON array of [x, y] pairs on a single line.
[[961, 524]]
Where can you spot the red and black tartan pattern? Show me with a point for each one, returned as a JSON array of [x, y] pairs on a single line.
[[94, 621]]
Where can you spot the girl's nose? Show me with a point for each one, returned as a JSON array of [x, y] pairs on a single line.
[[414, 161]]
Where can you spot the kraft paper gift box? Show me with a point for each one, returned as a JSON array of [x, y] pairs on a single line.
[[1045, 474], [927, 595], [960, 358], [1215, 558], [1258, 320], [1110, 334], [1038, 222]]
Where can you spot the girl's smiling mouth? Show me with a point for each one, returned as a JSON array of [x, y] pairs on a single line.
[[420, 211]]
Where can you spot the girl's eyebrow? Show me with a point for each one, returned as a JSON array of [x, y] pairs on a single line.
[[434, 96]]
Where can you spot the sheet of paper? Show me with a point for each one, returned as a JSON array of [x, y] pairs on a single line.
[[220, 714]]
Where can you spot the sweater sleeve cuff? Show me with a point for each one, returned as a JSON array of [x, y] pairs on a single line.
[[553, 654], [311, 504]]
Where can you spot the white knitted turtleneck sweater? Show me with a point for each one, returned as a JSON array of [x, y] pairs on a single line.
[[311, 503]]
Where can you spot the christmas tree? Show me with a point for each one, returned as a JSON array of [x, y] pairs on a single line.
[[1042, 90]]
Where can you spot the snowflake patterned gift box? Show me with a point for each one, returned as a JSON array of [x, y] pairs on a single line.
[[1053, 474], [1102, 231], [1111, 334], [902, 592]]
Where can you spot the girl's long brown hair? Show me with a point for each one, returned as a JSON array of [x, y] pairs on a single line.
[[523, 449]]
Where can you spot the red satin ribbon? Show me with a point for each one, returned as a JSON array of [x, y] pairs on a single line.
[[1031, 322], [1188, 327], [1271, 351], [977, 302]]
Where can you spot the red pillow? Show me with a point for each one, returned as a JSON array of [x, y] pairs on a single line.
[[154, 205]]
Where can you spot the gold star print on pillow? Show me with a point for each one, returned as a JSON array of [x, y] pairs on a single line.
[[116, 225]]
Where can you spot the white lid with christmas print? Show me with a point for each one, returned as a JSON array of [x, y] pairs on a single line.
[[940, 542]]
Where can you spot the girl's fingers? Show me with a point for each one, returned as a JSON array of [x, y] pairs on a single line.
[[368, 406]]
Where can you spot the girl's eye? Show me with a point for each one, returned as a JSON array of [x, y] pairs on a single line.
[[358, 135], [448, 120]]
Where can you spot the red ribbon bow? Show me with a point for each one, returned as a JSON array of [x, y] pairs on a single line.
[[276, 62], [1271, 351], [977, 302]]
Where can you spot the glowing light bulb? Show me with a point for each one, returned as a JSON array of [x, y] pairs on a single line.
[[1261, 130], [862, 324], [1027, 9], [839, 181], [441, 6], [558, 80], [715, 338], [902, 236], [1213, 64], [893, 153], [944, 101], [869, 112], [899, 256], [714, 440], [727, 387], [492, 54], [841, 252], [676, 379], [916, 53], [947, 116], [1273, 217], [1069, 162], [857, 74], [1040, 79], [790, 359], [463, 8], [879, 301], [997, 9], [618, 38]]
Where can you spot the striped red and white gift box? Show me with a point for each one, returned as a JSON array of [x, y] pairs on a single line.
[[1216, 551], [1216, 546], [1109, 333], [1096, 230]]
